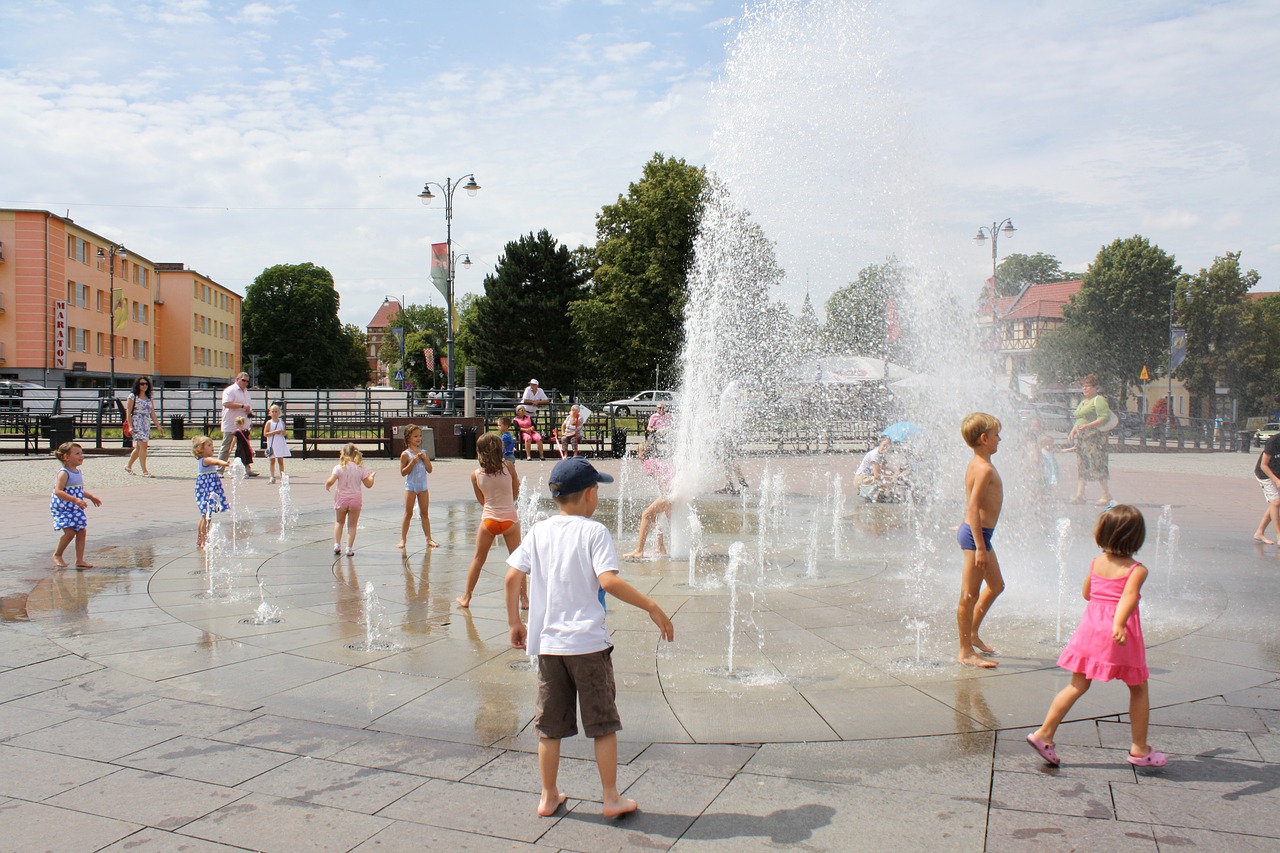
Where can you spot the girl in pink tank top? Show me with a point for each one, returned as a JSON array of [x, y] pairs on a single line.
[[496, 487], [1108, 644]]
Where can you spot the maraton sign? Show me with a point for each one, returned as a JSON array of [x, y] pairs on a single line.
[[60, 335]]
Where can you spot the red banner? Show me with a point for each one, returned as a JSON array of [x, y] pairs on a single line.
[[429, 355], [440, 268]]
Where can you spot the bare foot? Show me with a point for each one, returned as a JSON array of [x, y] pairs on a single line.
[[59, 562], [634, 555], [978, 661], [431, 543], [983, 647], [400, 544], [463, 600], [546, 808], [84, 565], [619, 807], [1258, 537], [662, 552]]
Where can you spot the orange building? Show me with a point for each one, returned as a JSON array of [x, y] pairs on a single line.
[[57, 310], [199, 325]]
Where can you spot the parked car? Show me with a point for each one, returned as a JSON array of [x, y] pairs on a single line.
[[1264, 432], [644, 403], [11, 391], [1053, 417]]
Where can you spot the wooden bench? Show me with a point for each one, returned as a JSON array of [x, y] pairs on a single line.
[[341, 432], [16, 425]]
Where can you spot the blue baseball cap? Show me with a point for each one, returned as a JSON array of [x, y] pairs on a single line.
[[574, 474]]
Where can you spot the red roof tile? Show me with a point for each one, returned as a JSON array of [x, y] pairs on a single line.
[[1042, 300], [386, 311]]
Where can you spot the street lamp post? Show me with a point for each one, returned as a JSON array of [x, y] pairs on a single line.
[[110, 256], [449, 187], [994, 230], [1168, 400]]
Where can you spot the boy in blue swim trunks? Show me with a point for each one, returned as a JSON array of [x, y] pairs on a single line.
[[984, 495]]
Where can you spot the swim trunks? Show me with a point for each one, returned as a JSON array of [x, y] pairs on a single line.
[[965, 536]]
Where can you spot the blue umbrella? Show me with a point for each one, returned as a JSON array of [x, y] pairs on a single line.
[[902, 430]]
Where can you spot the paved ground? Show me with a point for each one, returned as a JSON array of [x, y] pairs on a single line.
[[138, 710]]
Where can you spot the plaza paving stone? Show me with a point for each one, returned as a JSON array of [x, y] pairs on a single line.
[[140, 712]]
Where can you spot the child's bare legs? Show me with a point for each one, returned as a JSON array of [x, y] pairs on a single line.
[[975, 601], [353, 525], [607, 764], [484, 541], [1271, 515], [202, 532], [424, 502], [647, 519], [68, 533], [1139, 719], [339, 519], [1061, 704], [548, 769], [512, 539], [81, 536]]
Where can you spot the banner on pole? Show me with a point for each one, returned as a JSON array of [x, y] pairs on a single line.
[[1177, 347], [444, 364], [429, 356], [119, 309], [440, 268]]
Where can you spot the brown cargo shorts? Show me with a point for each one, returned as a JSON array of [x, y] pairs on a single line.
[[588, 679]]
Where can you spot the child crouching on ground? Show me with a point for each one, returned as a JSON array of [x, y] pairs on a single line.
[[570, 559]]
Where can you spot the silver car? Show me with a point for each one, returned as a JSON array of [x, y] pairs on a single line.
[[644, 403]]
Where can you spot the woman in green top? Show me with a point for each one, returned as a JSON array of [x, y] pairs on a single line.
[[1091, 416]]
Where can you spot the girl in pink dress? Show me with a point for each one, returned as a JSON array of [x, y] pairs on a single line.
[[1108, 644], [348, 475], [497, 488]]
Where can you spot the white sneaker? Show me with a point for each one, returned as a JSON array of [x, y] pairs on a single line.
[[337, 549], [351, 552]]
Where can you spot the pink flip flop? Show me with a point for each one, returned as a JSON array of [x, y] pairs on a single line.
[[1154, 758], [1046, 750]]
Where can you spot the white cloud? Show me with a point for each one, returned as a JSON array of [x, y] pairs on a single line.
[[244, 145], [261, 14]]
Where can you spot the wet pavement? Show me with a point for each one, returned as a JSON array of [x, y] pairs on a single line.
[[143, 708]]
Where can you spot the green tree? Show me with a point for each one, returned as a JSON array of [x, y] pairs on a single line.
[[1257, 355], [355, 356], [290, 319], [520, 327], [424, 327], [1212, 308], [1121, 312], [863, 316], [1016, 271], [630, 322]]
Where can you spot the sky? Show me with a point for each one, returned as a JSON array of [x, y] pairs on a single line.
[[233, 136]]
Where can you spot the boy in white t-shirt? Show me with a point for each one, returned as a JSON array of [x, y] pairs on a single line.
[[571, 563]]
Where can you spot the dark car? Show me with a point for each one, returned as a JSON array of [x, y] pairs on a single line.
[[11, 391]]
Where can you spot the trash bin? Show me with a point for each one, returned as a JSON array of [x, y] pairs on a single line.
[[177, 428], [619, 443], [300, 432], [1245, 440], [60, 429], [467, 441]]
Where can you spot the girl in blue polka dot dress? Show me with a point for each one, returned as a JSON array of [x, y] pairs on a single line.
[[68, 503], [209, 495]]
